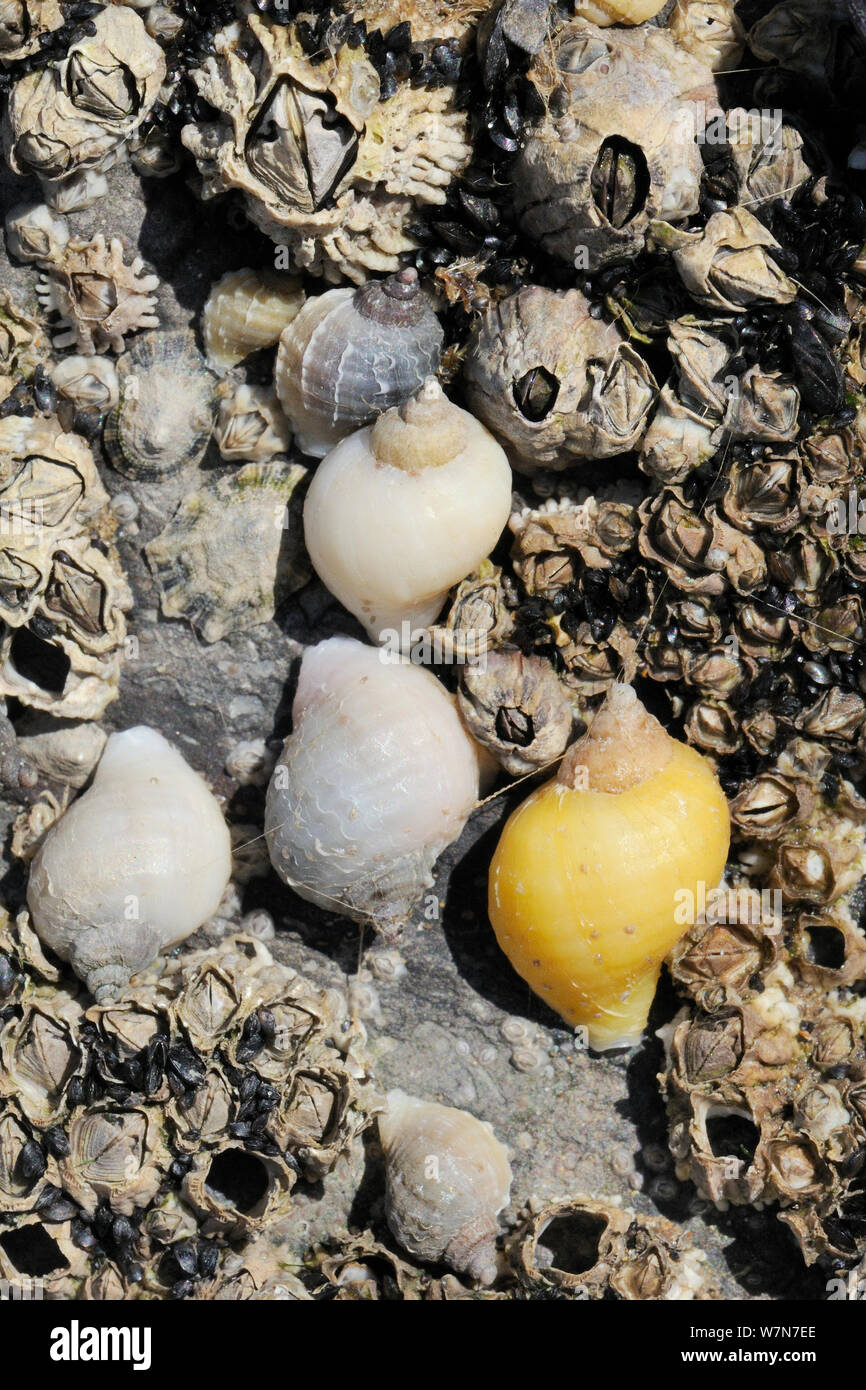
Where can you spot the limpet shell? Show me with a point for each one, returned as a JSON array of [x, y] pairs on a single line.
[[165, 415], [233, 551]]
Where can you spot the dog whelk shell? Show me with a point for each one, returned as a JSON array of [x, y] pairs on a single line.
[[376, 779], [448, 1179], [165, 415], [402, 510], [350, 355], [245, 311], [134, 866], [587, 877]]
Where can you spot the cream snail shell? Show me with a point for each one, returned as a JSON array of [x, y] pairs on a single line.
[[351, 354], [134, 866], [376, 779], [404, 509], [448, 1178]]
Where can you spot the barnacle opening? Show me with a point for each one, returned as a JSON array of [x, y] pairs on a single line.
[[300, 145], [574, 1241], [240, 1180], [33, 1251], [39, 662], [535, 393], [620, 181], [732, 1136], [826, 947]]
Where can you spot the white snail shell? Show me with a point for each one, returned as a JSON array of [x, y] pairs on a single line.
[[376, 779], [351, 354], [404, 509], [448, 1177], [135, 865]]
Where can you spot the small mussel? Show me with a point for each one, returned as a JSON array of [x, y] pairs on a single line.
[[167, 408]]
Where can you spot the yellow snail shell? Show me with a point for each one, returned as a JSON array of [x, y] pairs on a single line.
[[587, 876]]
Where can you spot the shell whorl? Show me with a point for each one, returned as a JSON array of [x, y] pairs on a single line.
[[395, 302]]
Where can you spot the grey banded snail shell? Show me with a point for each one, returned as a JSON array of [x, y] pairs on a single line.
[[134, 866], [377, 777], [448, 1177], [349, 355]]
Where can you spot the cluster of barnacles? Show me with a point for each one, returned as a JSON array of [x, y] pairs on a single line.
[[184, 1113]]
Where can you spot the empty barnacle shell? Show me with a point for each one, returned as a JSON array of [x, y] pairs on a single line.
[[350, 355], [63, 1263], [448, 1178], [236, 1192], [710, 30], [729, 265], [376, 779], [232, 552], [247, 310], [605, 1252], [617, 142], [110, 916], [35, 233], [516, 707], [251, 425], [554, 383], [402, 510], [166, 411], [325, 167], [97, 296]]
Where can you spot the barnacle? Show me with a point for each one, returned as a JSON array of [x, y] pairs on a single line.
[[173, 1076], [69, 120], [63, 595], [22, 344], [582, 1248], [325, 167], [23, 23], [98, 298], [617, 144], [555, 384]]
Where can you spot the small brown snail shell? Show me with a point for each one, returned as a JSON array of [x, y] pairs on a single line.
[[448, 1178], [349, 355]]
